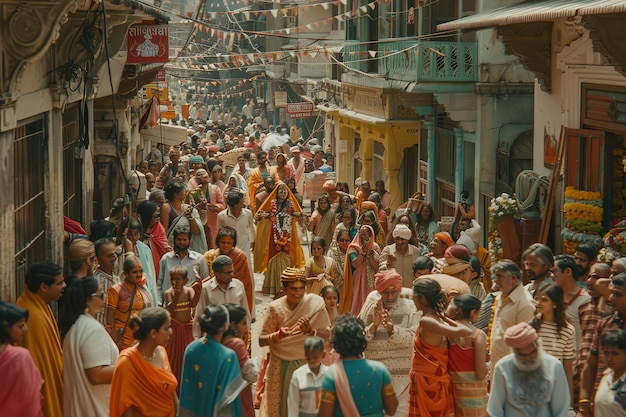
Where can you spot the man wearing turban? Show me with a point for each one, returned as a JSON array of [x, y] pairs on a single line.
[[528, 382], [390, 324], [400, 255], [296, 162], [438, 246]]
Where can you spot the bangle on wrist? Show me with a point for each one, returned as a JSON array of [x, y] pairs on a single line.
[[583, 401]]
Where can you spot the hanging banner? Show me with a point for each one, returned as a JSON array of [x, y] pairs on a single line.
[[300, 110], [280, 98], [158, 90], [147, 44]]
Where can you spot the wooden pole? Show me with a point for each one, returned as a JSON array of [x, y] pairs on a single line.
[[554, 182]]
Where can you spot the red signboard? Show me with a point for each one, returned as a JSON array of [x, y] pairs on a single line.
[[300, 110], [147, 44]]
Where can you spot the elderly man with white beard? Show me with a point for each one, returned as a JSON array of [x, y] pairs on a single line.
[[390, 323], [528, 382]]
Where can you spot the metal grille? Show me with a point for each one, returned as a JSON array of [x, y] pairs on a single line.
[[29, 161], [72, 165]]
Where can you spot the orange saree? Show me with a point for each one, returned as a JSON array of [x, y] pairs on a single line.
[[143, 386], [430, 389]]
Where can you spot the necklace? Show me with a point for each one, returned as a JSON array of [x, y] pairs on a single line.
[[148, 358], [322, 265]]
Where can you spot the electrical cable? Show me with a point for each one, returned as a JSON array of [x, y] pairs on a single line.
[[113, 134], [529, 186]]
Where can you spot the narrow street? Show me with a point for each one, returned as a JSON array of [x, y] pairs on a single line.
[[261, 301]]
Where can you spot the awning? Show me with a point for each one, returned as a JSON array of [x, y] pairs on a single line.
[[170, 135], [534, 11]]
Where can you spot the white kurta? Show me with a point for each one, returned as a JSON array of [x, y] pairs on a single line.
[[86, 345]]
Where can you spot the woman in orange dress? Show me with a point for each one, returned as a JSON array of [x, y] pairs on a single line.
[[143, 384], [277, 244], [430, 389], [124, 300]]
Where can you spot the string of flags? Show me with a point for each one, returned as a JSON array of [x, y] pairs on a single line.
[[247, 60], [205, 27]]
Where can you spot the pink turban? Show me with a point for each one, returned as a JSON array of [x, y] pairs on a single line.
[[445, 238], [386, 279], [520, 335]]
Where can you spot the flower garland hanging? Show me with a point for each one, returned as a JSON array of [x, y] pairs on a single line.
[[500, 207], [583, 219]]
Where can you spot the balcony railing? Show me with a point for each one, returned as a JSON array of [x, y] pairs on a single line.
[[418, 61]]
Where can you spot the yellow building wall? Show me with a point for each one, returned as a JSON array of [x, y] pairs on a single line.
[[394, 135]]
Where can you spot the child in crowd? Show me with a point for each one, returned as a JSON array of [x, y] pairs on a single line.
[[180, 301], [467, 357], [306, 382], [330, 294]]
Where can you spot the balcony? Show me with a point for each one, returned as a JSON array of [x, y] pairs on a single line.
[[417, 61]]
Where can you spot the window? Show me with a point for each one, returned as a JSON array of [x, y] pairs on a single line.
[[338, 9], [585, 159], [445, 154], [29, 170], [72, 165]]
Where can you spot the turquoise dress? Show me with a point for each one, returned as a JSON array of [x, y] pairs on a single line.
[[145, 255], [211, 381], [367, 379]]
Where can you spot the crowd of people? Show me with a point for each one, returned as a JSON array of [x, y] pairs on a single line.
[[388, 315]]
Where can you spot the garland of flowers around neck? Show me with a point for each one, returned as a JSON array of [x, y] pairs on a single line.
[[281, 225]]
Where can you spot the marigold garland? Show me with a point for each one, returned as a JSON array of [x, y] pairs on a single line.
[[583, 219]]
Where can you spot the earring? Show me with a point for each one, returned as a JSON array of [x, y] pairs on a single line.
[[234, 332]]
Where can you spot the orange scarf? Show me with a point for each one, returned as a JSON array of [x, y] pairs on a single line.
[[139, 384], [43, 340]]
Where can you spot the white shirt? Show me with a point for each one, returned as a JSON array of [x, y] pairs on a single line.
[[170, 259], [244, 225], [85, 346], [604, 404], [213, 294], [304, 392]]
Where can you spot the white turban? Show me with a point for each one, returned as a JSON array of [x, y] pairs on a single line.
[[402, 231]]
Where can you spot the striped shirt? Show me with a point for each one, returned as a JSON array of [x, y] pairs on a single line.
[[304, 391], [105, 281], [560, 345]]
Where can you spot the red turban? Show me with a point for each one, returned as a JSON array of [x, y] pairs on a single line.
[[445, 238], [520, 335], [458, 251], [386, 279]]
